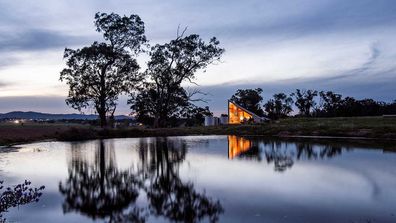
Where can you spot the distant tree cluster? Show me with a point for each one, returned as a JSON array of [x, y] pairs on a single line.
[[311, 103], [334, 105], [98, 74]]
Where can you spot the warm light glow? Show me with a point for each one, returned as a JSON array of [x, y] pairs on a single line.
[[16, 121], [237, 145], [237, 115]]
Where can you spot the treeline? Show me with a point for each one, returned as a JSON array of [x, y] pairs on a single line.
[[99, 73], [311, 103]]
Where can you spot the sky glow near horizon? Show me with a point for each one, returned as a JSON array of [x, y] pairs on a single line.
[[345, 46]]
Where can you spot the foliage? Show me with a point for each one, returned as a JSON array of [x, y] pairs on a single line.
[[122, 32], [304, 100], [195, 116], [249, 99], [145, 103], [20, 194], [167, 194], [279, 107], [99, 73], [171, 64], [101, 191], [330, 103], [334, 105]]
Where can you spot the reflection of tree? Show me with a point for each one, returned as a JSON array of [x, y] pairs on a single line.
[[180, 202], [253, 153], [100, 190], [306, 150], [168, 196], [20, 194], [282, 155], [330, 151], [281, 159]]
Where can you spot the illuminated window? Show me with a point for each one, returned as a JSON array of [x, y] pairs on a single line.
[[237, 114]]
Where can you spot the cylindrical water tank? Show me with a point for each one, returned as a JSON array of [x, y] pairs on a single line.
[[223, 120], [209, 121]]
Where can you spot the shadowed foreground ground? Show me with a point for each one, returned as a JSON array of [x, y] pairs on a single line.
[[365, 127]]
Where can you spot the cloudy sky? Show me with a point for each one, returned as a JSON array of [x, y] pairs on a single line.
[[278, 45]]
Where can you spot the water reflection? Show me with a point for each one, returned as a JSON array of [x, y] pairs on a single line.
[[102, 191], [282, 155], [237, 146], [194, 179], [167, 194]]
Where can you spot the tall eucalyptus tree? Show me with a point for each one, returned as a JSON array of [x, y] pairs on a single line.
[[99, 73], [170, 65]]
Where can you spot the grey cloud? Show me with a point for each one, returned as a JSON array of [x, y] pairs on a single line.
[[362, 71], [332, 16], [3, 84], [375, 54], [51, 104], [38, 39], [7, 61]]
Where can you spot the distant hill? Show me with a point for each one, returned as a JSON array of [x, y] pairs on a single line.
[[47, 116]]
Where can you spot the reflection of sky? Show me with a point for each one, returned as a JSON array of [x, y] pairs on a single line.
[[356, 185], [346, 46]]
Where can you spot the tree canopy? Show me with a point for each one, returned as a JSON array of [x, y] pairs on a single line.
[[122, 32], [249, 99], [304, 100], [99, 73], [163, 97], [280, 106]]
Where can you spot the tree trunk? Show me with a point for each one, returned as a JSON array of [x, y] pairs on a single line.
[[102, 167], [102, 100], [102, 116], [156, 122], [101, 109], [160, 121]]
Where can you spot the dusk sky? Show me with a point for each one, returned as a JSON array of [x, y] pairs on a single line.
[[345, 46]]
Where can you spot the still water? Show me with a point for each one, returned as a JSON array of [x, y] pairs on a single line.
[[203, 179]]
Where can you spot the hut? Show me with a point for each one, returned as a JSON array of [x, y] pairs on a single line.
[[238, 114]]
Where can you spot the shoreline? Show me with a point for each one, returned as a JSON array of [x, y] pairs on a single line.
[[387, 145], [363, 128]]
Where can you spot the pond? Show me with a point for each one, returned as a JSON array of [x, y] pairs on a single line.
[[202, 179]]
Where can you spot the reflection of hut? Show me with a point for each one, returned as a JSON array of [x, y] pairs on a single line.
[[238, 114], [237, 145]]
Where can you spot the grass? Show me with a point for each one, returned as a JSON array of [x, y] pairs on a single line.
[[368, 127], [11, 133]]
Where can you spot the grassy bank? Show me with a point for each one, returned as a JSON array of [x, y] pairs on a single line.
[[368, 127], [17, 133]]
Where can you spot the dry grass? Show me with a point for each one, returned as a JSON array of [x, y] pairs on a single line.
[[16, 133], [369, 127]]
